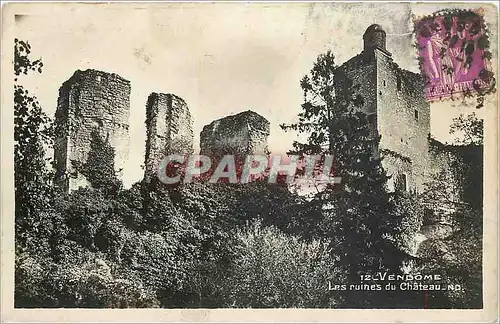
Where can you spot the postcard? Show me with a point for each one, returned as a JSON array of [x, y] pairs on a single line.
[[249, 162]]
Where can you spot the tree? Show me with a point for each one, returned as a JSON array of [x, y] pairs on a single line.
[[206, 207], [359, 216], [86, 211], [32, 178], [469, 127], [274, 270], [84, 282], [328, 95]]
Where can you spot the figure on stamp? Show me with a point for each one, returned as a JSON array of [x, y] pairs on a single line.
[[456, 47], [464, 45], [439, 56]]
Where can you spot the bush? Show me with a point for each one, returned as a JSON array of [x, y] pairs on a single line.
[[88, 284], [278, 270]]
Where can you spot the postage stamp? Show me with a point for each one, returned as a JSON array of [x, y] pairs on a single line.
[[454, 56]]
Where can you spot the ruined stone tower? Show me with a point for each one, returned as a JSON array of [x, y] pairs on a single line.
[[394, 101], [374, 37], [169, 129], [90, 101], [240, 134]]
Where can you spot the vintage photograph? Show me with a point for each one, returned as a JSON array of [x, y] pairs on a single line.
[[251, 155]]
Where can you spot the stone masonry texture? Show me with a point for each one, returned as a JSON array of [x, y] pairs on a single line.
[[90, 101], [394, 100], [168, 127], [240, 134]]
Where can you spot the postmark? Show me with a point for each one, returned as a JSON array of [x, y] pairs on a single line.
[[454, 56]]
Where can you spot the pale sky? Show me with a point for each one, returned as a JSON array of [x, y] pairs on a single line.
[[220, 58]]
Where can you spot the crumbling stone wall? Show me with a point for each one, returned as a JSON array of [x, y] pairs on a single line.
[[240, 134], [455, 185], [90, 100], [461, 166], [168, 128]]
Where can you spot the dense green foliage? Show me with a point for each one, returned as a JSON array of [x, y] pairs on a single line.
[[32, 134], [276, 270]]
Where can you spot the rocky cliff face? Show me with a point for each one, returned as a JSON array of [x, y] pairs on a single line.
[[90, 101], [241, 134]]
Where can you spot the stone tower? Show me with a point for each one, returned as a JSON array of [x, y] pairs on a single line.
[[394, 101], [374, 37], [90, 101], [241, 134], [169, 129]]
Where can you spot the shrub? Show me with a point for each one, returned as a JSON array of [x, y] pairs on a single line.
[[278, 270]]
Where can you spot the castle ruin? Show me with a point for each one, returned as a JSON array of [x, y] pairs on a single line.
[[168, 129], [394, 101], [240, 135], [90, 101], [395, 104]]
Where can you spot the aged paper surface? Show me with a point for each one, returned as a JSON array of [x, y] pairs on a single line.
[[132, 83]]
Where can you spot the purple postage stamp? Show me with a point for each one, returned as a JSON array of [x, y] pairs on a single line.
[[453, 54]]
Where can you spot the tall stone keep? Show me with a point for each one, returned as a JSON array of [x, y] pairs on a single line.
[[394, 102], [169, 129], [240, 134], [90, 101]]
